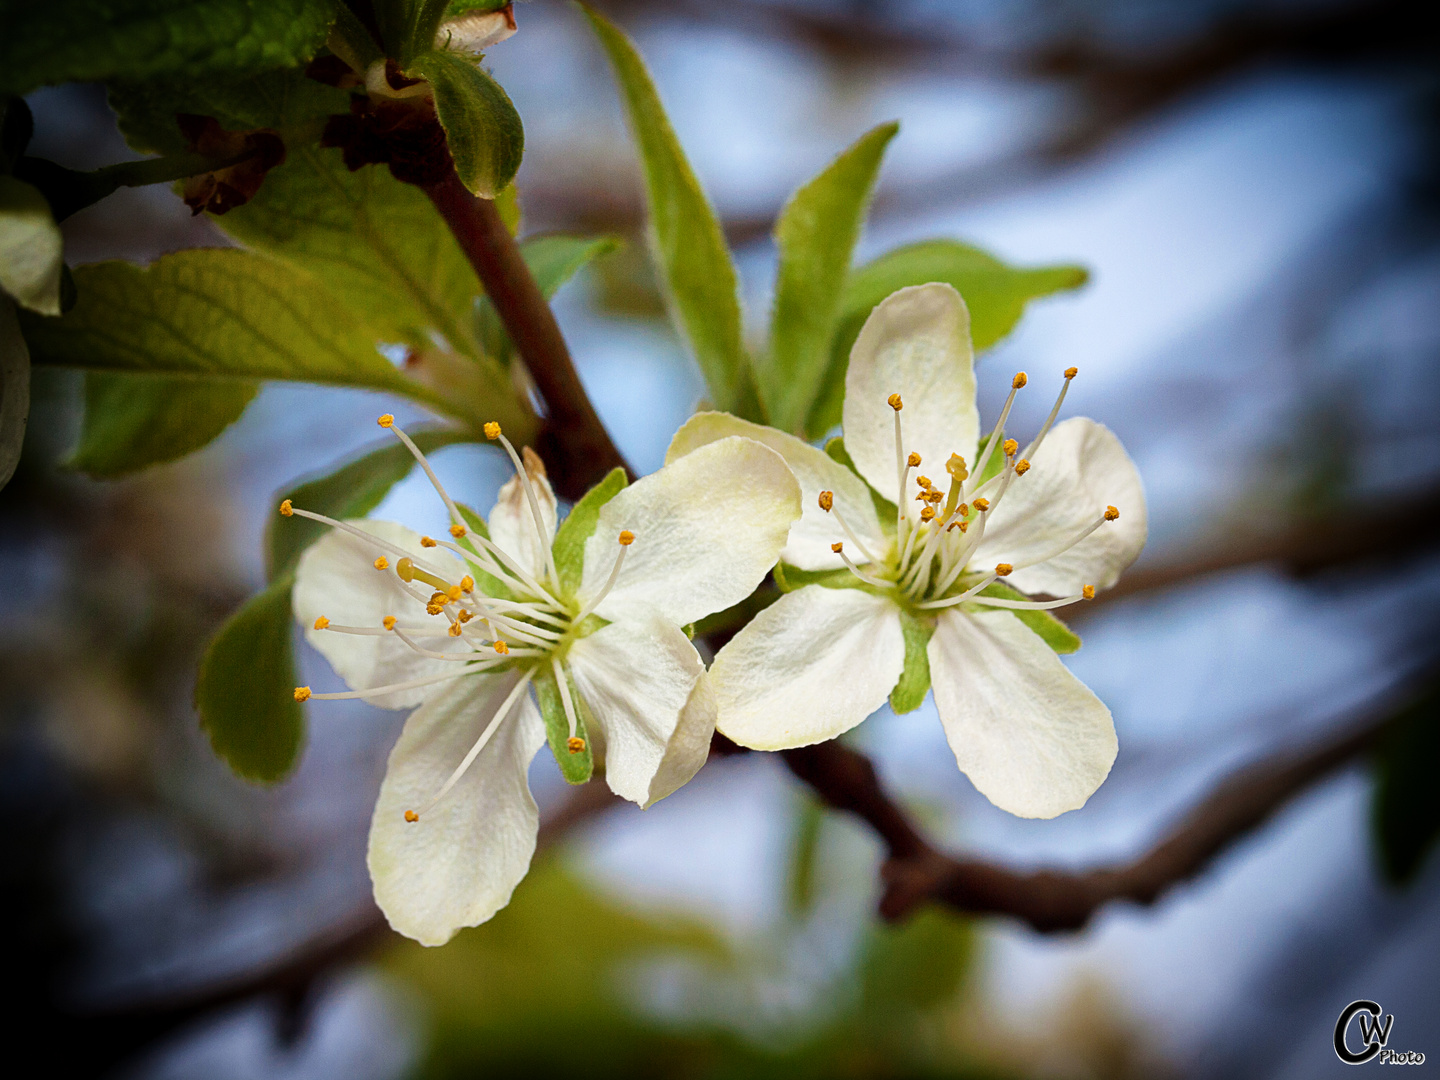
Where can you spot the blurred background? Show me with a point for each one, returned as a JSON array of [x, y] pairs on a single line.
[[1254, 187]]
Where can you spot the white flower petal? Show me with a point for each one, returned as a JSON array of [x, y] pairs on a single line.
[[337, 578], [708, 527], [1079, 470], [1031, 736], [512, 522], [916, 343], [460, 862], [809, 667], [647, 690], [808, 546]]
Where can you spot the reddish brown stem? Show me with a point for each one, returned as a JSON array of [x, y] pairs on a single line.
[[573, 440]]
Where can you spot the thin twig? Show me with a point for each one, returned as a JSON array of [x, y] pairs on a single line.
[[574, 440]]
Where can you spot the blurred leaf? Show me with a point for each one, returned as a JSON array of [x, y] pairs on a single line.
[[407, 27], [245, 690], [1051, 630], [1405, 814], [30, 248], [14, 390], [804, 851], [995, 293], [914, 683], [215, 311], [351, 491], [579, 525], [689, 244], [920, 963], [507, 204], [815, 235], [576, 768], [460, 7], [134, 421], [553, 260], [94, 40], [482, 127]]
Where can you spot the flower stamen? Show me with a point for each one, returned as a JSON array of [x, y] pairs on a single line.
[[610, 581]]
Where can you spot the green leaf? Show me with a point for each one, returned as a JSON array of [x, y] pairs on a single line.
[[579, 524], [407, 27], [995, 293], [245, 693], [918, 963], [214, 311], [94, 40], [909, 692], [815, 235], [31, 247], [790, 578], [14, 390], [1405, 813], [461, 7], [481, 126], [553, 260], [689, 245], [351, 491], [576, 768], [1051, 630], [134, 421]]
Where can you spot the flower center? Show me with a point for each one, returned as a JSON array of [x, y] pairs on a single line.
[[497, 617], [929, 565]]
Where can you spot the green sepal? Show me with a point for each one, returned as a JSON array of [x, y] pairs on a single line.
[[133, 421], [789, 578], [1051, 630], [485, 584], [577, 528], [909, 692], [1405, 812], [351, 491], [482, 128], [245, 693], [577, 768]]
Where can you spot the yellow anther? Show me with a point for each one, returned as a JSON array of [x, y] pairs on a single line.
[[963, 509], [1011, 447], [411, 816], [388, 622], [492, 430], [321, 623], [827, 500], [453, 593], [454, 629], [457, 531], [961, 525], [1020, 380], [1022, 467], [302, 693], [956, 467], [501, 648], [386, 420], [1111, 513], [382, 563], [923, 481], [927, 513], [982, 504], [434, 609], [837, 547], [406, 569], [1003, 569], [427, 541], [575, 744], [286, 508], [895, 402], [934, 495], [441, 598], [913, 460], [466, 616], [1071, 372], [467, 584], [626, 538], [1088, 592]]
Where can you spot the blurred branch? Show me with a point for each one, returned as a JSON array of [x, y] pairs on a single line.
[[1054, 900]]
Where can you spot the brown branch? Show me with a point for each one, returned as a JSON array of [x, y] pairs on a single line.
[[1053, 900], [579, 449]]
